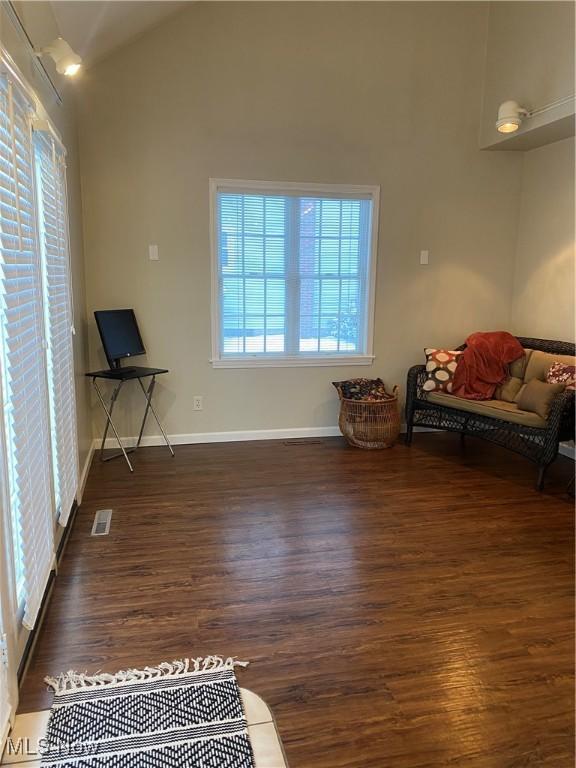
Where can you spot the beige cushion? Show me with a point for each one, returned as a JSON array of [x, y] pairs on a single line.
[[498, 409], [539, 364], [536, 397], [518, 367], [509, 389], [515, 380]]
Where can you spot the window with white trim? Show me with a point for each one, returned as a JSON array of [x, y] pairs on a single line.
[[293, 273]]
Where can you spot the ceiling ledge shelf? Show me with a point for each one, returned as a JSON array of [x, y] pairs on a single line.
[[554, 125]]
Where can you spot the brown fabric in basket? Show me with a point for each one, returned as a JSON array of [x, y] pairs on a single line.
[[362, 389]]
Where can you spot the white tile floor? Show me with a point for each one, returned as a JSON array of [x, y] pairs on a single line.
[[268, 752]]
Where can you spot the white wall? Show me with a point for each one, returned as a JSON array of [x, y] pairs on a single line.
[[365, 93], [543, 287], [529, 58]]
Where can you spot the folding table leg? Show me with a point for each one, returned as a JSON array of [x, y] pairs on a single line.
[[113, 399], [148, 396], [149, 406], [110, 423]]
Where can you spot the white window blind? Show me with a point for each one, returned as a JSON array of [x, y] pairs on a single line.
[[22, 358], [52, 214], [293, 274]]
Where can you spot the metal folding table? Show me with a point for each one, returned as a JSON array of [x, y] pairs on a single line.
[[121, 376]]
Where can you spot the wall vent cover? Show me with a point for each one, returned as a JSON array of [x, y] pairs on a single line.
[[101, 525]]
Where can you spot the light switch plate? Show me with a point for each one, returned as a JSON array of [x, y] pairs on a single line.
[[153, 253], [424, 257]]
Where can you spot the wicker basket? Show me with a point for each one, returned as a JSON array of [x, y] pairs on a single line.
[[370, 423]]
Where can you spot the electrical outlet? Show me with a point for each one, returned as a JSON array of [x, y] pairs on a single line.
[[198, 404]]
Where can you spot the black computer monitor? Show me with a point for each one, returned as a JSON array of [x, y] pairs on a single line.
[[120, 335]]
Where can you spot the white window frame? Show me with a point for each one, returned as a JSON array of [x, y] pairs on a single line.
[[218, 360]]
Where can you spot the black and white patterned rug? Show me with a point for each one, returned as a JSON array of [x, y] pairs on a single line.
[[184, 714]]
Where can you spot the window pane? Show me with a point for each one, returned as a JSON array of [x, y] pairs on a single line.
[[275, 255], [254, 333], [253, 254], [232, 296], [275, 334], [329, 334], [233, 335], [275, 215], [309, 315], [253, 218], [230, 235], [275, 315]]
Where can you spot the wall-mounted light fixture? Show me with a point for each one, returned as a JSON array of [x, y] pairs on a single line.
[[67, 61], [511, 114]]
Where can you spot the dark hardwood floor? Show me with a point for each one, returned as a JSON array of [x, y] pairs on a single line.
[[410, 608]]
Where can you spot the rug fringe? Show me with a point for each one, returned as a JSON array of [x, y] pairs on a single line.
[[73, 681]]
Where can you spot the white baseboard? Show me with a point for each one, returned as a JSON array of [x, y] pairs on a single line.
[[85, 470], [193, 438], [225, 437]]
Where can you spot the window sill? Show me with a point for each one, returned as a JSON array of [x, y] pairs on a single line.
[[333, 361]]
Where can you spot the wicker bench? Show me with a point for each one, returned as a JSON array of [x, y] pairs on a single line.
[[500, 423]]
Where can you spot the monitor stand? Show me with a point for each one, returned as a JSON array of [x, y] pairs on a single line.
[[121, 375]]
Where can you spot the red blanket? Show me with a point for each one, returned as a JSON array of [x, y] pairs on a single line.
[[483, 365]]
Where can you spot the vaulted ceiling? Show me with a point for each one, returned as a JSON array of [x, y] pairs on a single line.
[[94, 28]]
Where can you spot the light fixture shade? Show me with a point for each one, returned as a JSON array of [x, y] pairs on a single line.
[[67, 61], [510, 115]]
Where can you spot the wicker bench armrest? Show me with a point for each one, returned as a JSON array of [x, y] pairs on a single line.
[[560, 425], [416, 377], [561, 417]]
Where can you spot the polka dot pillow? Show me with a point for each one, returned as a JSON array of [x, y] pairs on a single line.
[[440, 367]]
